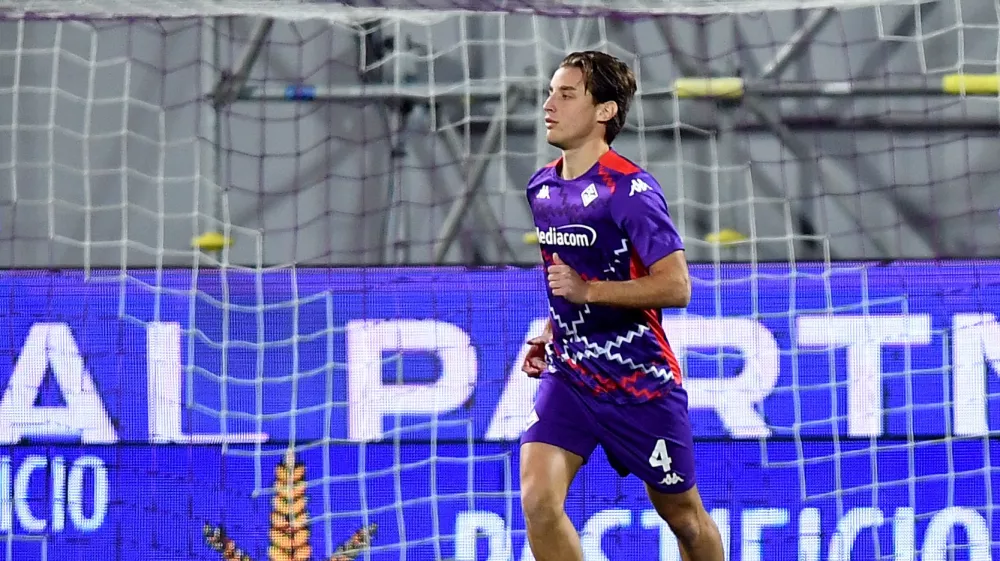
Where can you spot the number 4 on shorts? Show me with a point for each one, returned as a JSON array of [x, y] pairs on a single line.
[[660, 457]]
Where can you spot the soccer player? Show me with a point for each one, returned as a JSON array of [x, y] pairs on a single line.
[[613, 260]]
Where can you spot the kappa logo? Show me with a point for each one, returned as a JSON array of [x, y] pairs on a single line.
[[672, 479], [638, 186], [543, 193], [570, 235]]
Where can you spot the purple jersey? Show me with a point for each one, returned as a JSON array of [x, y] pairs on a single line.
[[611, 224]]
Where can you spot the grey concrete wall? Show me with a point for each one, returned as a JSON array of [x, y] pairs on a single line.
[[107, 155]]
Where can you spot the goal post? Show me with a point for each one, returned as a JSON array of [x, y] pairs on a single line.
[[269, 271]]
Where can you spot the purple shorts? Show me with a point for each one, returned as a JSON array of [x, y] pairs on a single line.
[[652, 440]]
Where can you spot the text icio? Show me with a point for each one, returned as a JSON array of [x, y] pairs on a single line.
[[38, 493]]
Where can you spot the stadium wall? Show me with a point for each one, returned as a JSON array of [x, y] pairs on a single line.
[[125, 96]]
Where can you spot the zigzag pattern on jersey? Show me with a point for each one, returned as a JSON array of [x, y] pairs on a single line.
[[605, 385], [593, 350], [577, 356], [570, 330], [630, 385], [618, 257]]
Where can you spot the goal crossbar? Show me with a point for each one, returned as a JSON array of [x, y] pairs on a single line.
[[422, 10]]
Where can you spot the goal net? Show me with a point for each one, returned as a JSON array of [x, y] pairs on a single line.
[[256, 301]]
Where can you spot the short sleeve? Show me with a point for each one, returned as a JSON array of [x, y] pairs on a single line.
[[640, 210]]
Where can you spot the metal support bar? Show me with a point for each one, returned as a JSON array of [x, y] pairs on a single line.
[[768, 186], [397, 208], [697, 88], [224, 92], [797, 43], [705, 188], [877, 56], [211, 173], [909, 215], [484, 211], [685, 62], [839, 186], [230, 85], [917, 215], [318, 172], [836, 182], [687, 67], [800, 223], [697, 128], [426, 155], [377, 93], [809, 203], [450, 227], [953, 85], [800, 198]]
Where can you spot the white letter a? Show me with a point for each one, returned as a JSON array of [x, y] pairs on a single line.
[[83, 415]]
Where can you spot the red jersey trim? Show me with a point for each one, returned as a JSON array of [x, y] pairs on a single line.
[[637, 270], [611, 160], [616, 162]]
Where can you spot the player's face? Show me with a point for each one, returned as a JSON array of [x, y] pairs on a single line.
[[571, 116]]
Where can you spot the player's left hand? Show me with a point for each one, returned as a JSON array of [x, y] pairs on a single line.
[[566, 282]]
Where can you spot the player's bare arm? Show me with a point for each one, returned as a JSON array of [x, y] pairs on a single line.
[[668, 285]]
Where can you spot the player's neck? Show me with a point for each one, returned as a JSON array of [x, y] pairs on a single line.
[[578, 161]]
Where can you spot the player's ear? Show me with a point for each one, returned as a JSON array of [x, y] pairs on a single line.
[[606, 111]]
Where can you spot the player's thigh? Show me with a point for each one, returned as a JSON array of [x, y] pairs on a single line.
[[653, 441], [547, 472], [559, 438]]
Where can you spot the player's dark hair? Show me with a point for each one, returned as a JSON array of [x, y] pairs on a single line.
[[607, 79]]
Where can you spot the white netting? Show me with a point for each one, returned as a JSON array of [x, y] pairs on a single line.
[[296, 10], [115, 159]]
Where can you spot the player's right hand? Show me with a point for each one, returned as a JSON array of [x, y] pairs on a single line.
[[534, 361]]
